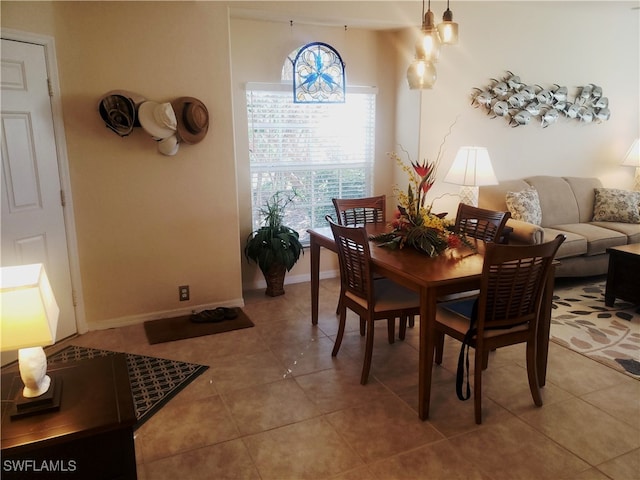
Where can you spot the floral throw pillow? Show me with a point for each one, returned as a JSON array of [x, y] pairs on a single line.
[[615, 205], [525, 206]]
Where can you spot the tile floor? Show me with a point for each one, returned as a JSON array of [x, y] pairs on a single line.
[[274, 404]]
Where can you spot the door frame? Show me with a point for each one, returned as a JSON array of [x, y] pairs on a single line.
[[48, 43]]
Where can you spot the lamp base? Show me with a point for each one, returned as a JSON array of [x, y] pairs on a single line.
[[636, 180], [469, 195], [47, 402]]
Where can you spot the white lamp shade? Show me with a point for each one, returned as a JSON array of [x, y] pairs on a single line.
[[632, 158], [471, 167], [29, 312]]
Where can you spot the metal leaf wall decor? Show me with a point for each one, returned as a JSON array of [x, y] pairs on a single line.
[[521, 104]]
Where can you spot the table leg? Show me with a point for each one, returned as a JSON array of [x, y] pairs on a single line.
[[427, 345], [544, 328], [314, 251]]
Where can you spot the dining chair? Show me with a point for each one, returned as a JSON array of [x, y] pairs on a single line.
[[480, 223], [360, 211], [370, 299], [506, 312]]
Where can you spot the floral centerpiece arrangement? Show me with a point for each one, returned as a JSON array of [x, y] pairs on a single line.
[[414, 223]]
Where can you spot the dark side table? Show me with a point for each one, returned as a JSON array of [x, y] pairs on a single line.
[[90, 437], [623, 277]]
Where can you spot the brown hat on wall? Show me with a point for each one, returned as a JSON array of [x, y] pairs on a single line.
[[193, 119]]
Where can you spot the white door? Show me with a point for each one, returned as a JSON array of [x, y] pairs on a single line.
[[33, 229]]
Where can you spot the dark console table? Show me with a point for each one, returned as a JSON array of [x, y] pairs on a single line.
[[623, 277], [91, 436]]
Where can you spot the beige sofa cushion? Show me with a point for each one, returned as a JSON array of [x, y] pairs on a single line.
[[583, 189], [598, 238], [631, 230], [574, 244], [557, 201]]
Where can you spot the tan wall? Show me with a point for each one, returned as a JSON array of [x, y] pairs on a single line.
[[146, 223]]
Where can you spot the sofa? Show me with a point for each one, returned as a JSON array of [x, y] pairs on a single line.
[[591, 217]]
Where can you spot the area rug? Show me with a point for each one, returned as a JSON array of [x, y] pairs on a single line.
[[180, 328], [154, 381], [582, 322]]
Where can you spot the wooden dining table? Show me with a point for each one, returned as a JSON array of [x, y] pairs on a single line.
[[454, 271]]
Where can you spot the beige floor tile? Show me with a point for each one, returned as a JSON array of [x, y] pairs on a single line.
[[339, 388], [512, 449], [241, 371], [588, 432], [509, 387], [306, 450], [179, 427], [440, 460], [228, 460], [382, 428], [273, 405], [308, 357], [621, 401], [624, 467], [578, 374]]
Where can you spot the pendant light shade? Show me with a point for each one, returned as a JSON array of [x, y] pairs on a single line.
[[448, 29], [421, 74], [430, 41]]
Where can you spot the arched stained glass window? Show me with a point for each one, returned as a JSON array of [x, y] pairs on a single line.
[[318, 74]]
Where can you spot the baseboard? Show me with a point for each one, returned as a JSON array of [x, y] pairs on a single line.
[[138, 319]]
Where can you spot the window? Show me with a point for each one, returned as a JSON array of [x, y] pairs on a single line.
[[318, 75], [322, 150]]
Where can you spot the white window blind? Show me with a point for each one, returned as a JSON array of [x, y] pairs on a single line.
[[320, 150]]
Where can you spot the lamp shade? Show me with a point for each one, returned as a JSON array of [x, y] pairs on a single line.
[[471, 167], [29, 312], [632, 158]]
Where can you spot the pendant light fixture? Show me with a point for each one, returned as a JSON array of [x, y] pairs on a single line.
[[422, 72], [448, 29]]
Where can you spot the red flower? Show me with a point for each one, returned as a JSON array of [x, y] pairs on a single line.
[[423, 170], [453, 241]]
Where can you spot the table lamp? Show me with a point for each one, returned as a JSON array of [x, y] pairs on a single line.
[[29, 317], [632, 159], [471, 168]]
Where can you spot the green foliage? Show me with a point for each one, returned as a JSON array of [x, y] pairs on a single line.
[[274, 243]]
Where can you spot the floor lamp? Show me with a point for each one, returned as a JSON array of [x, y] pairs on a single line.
[[471, 168]]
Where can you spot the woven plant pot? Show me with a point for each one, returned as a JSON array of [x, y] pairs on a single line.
[[275, 280]]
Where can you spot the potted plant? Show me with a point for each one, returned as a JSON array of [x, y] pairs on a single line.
[[274, 247]]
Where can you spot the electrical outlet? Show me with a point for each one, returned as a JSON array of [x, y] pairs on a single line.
[[183, 291]]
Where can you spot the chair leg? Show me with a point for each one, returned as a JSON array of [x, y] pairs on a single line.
[[403, 327], [477, 387], [532, 373], [485, 358], [367, 352], [363, 326], [343, 321], [439, 341], [412, 321], [391, 330]]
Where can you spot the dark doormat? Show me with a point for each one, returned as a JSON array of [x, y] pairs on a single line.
[[154, 381], [179, 328]]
